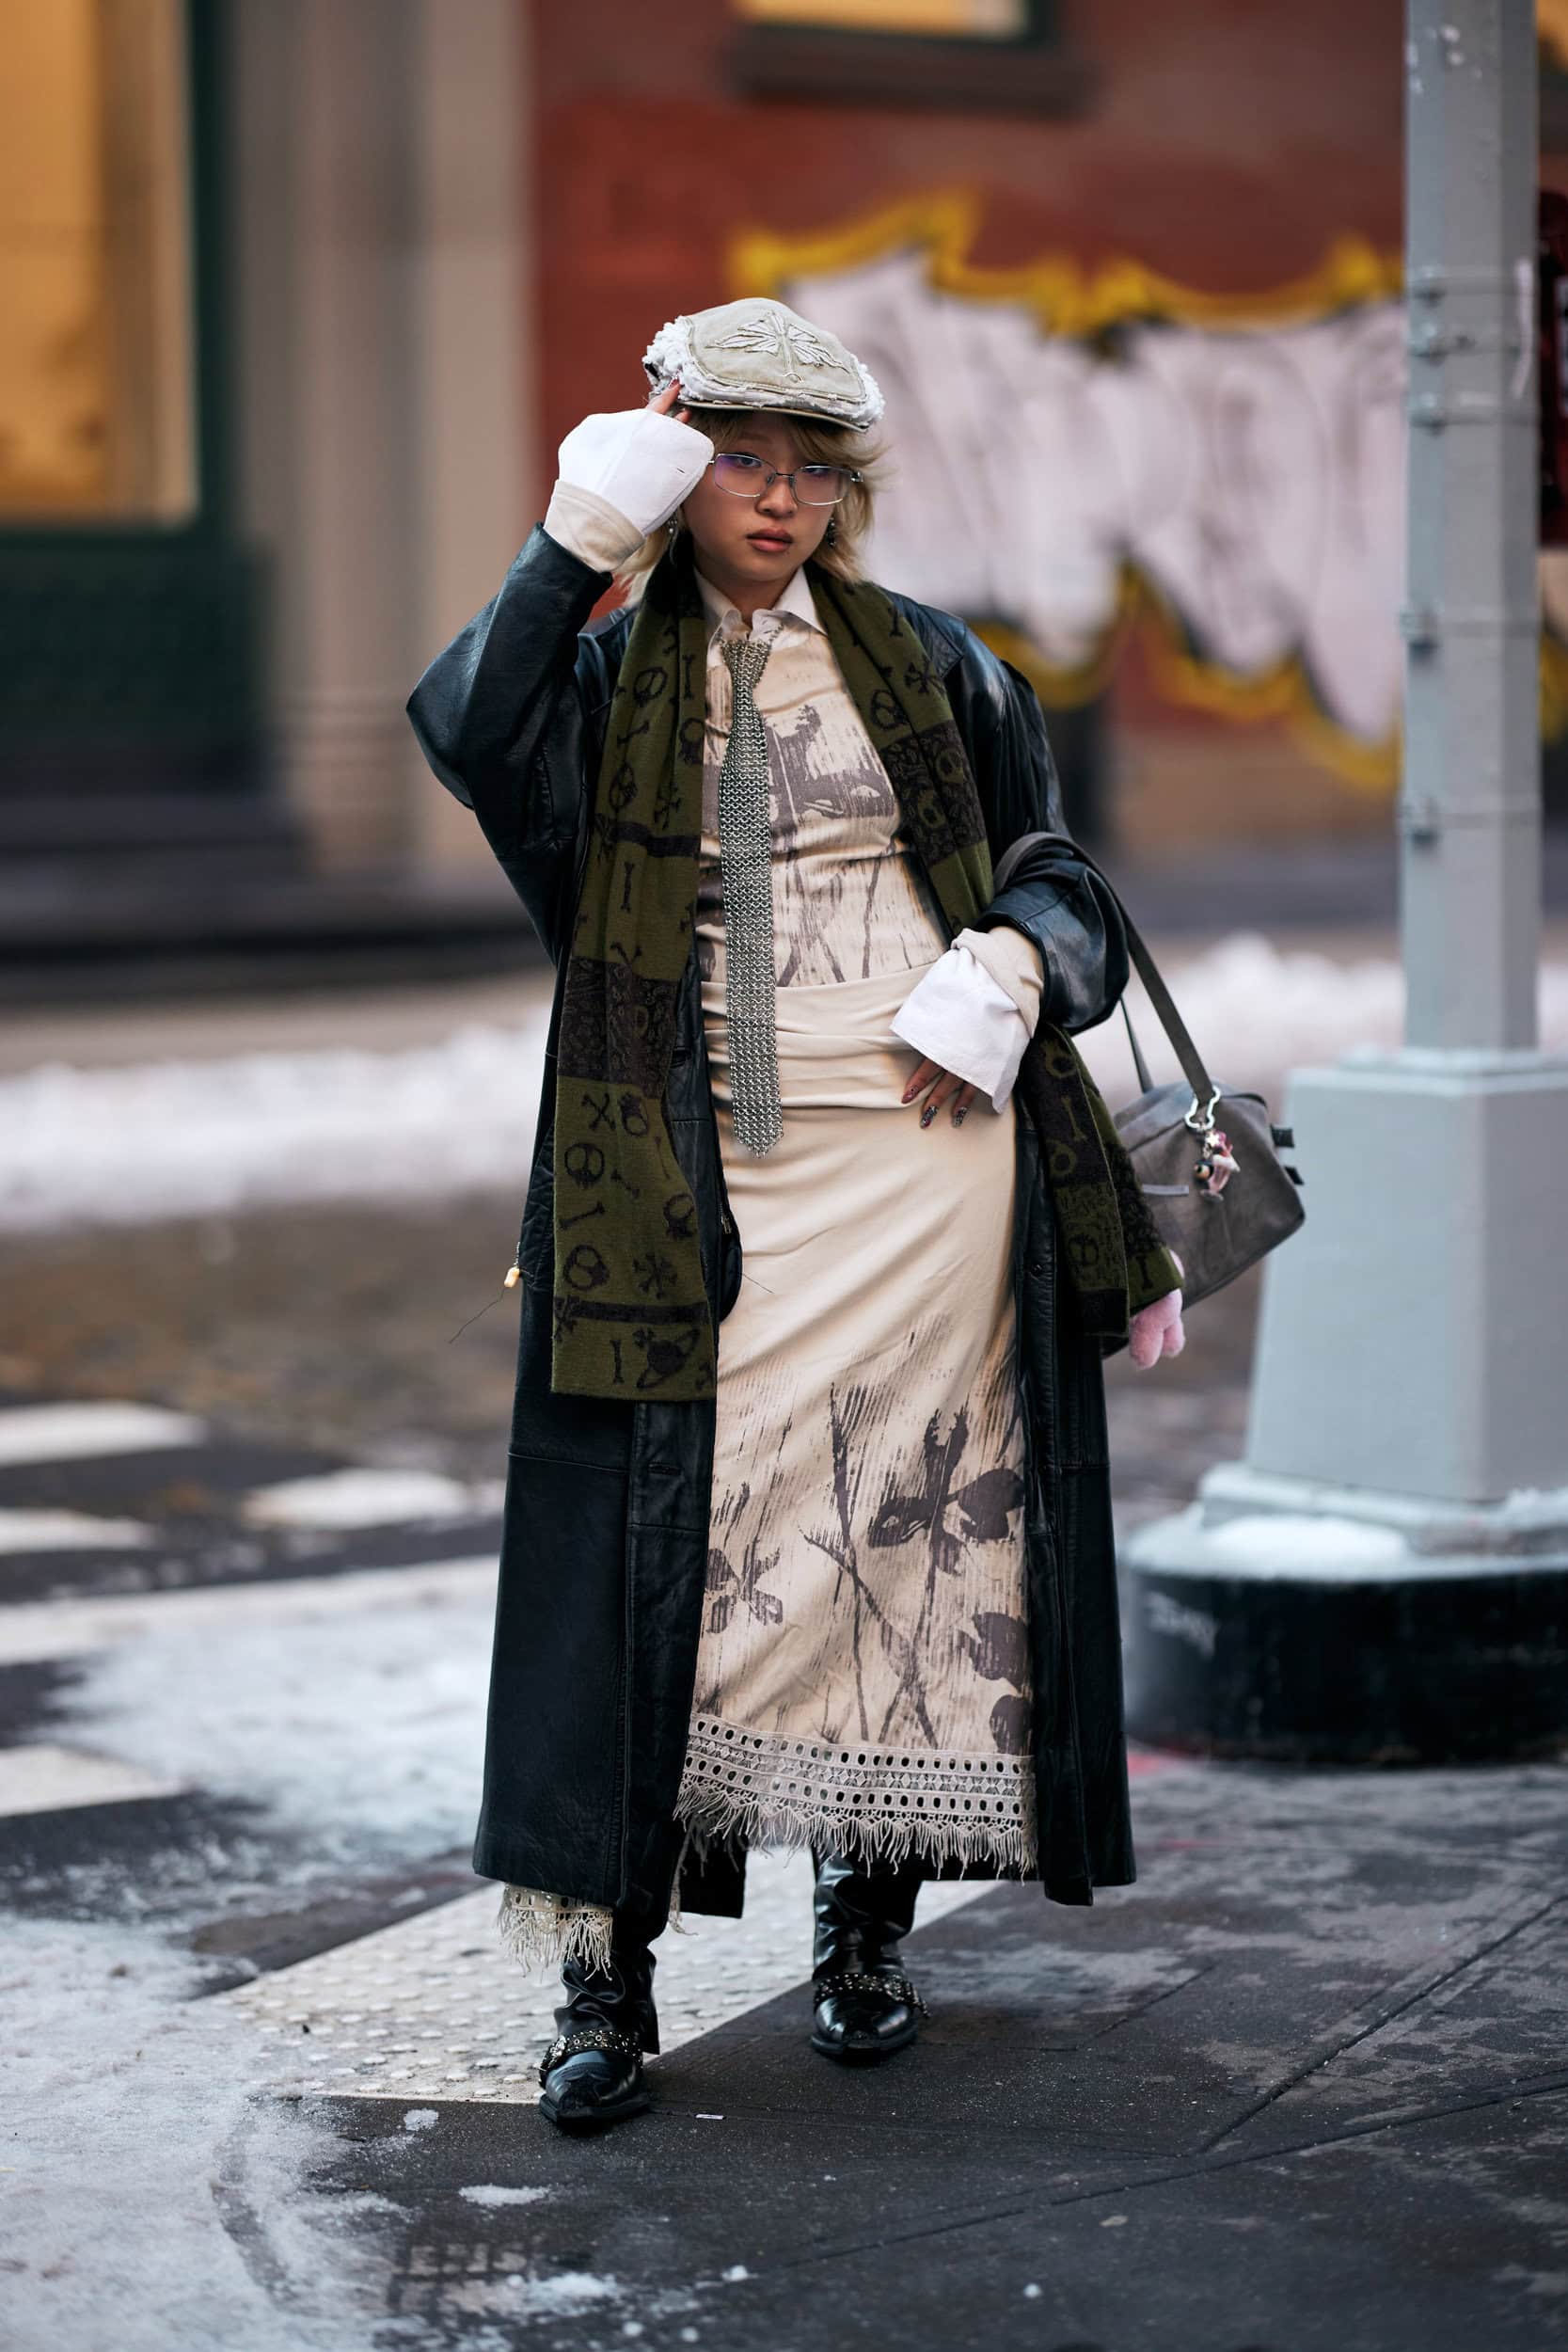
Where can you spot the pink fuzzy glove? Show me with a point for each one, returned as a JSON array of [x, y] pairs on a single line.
[[1156, 1330]]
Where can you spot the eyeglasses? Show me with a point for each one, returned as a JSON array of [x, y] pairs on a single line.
[[745, 477]]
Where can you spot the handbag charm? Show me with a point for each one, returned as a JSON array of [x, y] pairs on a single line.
[[1216, 1163]]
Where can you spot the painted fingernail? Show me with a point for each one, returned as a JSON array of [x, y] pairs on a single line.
[[927, 1114], [958, 1115]]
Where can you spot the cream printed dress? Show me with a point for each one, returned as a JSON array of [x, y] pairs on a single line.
[[862, 1674]]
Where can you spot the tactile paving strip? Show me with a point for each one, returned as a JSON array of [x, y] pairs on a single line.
[[433, 2009]]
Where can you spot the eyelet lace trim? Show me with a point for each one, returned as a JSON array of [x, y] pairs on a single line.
[[874, 1802]]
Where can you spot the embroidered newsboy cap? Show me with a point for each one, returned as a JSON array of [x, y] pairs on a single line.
[[759, 354]]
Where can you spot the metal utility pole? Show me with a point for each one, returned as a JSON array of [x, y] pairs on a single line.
[[1386, 1573]]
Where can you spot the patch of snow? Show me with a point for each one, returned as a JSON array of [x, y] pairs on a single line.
[[142, 2167], [348, 1499], [559, 2294], [1305, 1546], [486, 2195], [1294, 1544], [420, 2119], [172, 1138], [1536, 1506], [366, 1727], [68, 1531]]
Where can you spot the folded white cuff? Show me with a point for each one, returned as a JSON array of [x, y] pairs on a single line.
[[640, 462], [958, 1014]]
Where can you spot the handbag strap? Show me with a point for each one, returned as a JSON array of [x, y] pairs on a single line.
[[1204, 1089], [1146, 1084]]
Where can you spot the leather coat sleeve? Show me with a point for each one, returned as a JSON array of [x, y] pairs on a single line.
[[1051, 897], [500, 716]]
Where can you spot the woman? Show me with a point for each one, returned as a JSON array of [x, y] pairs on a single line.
[[807, 1532]]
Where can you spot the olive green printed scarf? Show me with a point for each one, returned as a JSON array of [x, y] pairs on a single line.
[[632, 1313], [631, 1310]]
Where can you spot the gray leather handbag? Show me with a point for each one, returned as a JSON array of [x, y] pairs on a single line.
[[1222, 1198]]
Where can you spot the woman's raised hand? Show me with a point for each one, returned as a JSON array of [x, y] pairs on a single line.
[[663, 404]]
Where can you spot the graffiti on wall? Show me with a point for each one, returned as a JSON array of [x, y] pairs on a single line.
[[1072, 450]]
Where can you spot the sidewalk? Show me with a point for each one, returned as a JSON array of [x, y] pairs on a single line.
[[1303, 2088]]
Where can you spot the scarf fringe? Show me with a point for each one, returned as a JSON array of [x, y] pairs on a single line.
[[544, 1931], [539, 1929]]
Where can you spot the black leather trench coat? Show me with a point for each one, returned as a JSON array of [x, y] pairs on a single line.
[[605, 1543]]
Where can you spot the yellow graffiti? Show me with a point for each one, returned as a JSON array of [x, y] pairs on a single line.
[[1072, 300], [1065, 298]]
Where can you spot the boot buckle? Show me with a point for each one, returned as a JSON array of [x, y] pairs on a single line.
[[863, 1980], [587, 2038]]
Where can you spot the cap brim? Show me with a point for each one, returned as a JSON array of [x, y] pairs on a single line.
[[771, 408]]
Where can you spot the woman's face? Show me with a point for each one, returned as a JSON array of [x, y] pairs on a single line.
[[759, 541]]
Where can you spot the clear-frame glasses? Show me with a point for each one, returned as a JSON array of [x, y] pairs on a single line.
[[746, 477]]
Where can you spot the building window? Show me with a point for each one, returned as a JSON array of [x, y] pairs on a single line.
[[941, 20], [96, 422], [953, 54]]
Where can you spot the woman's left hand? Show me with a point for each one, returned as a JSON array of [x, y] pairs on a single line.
[[1157, 1330], [949, 1088]]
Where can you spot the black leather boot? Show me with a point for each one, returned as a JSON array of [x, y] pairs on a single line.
[[866, 2006], [591, 2074]]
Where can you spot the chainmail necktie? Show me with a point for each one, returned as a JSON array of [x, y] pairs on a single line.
[[746, 869]]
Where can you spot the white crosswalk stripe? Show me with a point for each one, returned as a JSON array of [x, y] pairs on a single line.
[[66, 1628], [352, 1499], [70, 1531], [47, 1778], [62, 1432]]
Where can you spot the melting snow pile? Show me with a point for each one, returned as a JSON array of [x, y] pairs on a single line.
[[191, 1138], [166, 1139]]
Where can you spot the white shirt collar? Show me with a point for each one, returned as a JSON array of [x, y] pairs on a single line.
[[794, 602]]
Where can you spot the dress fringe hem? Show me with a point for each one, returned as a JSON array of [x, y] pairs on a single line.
[[770, 1825]]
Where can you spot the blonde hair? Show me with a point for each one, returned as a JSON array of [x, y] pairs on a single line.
[[820, 443]]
